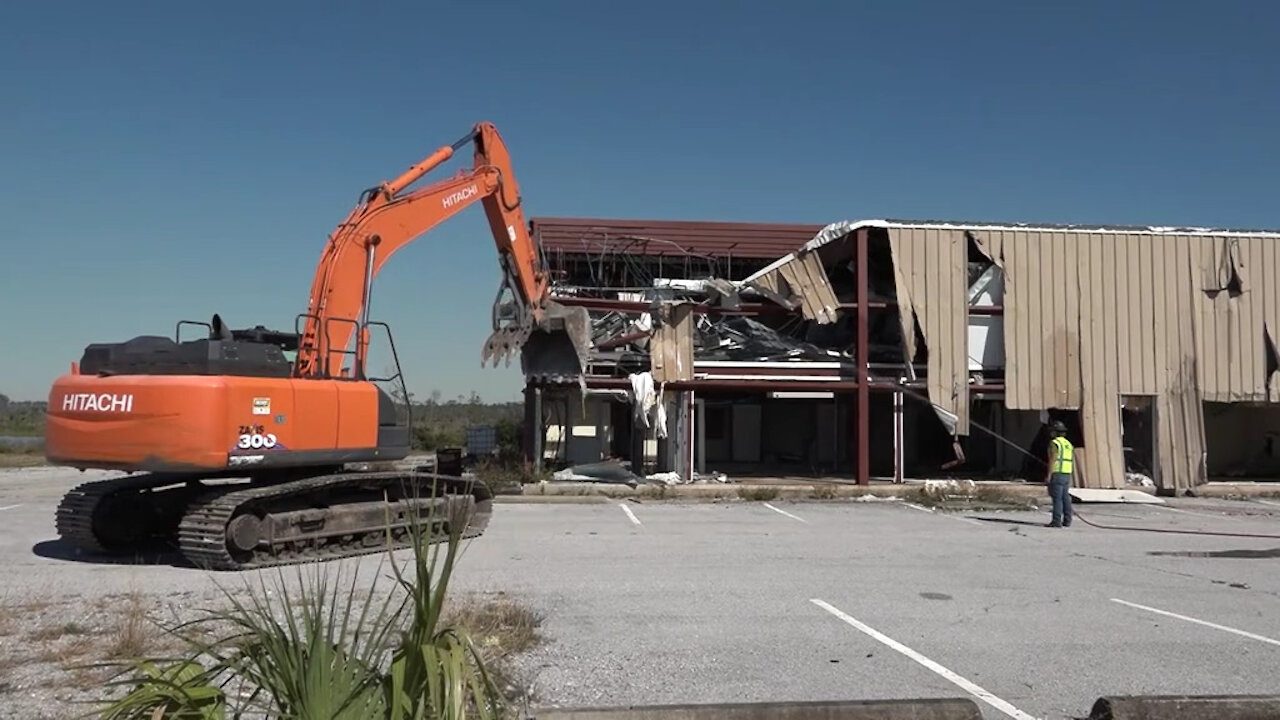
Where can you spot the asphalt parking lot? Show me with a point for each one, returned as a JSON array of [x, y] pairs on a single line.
[[657, 602]]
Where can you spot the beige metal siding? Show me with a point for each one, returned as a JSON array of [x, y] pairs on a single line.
[[1093, 316], [930, 272], [804, 281], [1233, 346], [1102, 457], [671, 350]]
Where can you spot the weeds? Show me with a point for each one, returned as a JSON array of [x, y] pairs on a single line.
[[131, 637], [758, 493], [21, 458], [824, 492], [508, 474], [659, 491], [968, 495], [501, 628]]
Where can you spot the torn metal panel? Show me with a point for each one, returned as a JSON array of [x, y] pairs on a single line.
[[930, 271], [800, 278], [1272, 363], [1232, 346], [671, 348], [1180, 446], [1101, 459]]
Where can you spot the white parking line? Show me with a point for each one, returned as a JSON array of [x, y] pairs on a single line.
[[966, 685], [922, 508], [10, 507], [784, 512], [630, 514], [1261, 638]]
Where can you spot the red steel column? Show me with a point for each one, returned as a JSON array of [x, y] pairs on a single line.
[[862, 418]]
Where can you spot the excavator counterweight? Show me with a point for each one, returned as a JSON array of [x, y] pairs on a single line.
[[242, 456]]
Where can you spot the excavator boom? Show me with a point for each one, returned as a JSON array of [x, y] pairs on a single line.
[[388, 217]]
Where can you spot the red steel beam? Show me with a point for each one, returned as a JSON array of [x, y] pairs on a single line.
[[863, 413], [742, 309], [839, 386]]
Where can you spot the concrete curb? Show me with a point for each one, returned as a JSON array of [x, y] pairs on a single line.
[[923, 709], [1187, 707], [551, 499], [988, 496], [824, 491]]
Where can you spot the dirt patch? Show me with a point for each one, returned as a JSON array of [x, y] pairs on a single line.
[[502, 629], [61, 659], [52, 654], [21, 459]]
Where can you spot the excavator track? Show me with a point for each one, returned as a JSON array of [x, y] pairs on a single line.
[[246, 525], [119, 516], [292, 522]]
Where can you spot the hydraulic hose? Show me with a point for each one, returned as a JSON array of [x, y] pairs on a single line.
[[1076, 513]]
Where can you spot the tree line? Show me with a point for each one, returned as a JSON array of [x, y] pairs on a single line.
[[436, 423], [21, 418]]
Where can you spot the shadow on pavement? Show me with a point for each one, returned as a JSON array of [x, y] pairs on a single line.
[[1007, 521], [61, 550], [1240, 554]]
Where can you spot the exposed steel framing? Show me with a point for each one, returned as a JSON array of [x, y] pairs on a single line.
[[743, 308], [705, 384], [862, 422], [743, 377]]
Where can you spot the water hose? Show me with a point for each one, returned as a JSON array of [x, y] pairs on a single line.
[[1075, 513]]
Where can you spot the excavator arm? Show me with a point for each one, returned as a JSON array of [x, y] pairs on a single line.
[[387, 218]]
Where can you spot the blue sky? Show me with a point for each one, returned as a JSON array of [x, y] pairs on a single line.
[[167, 160]]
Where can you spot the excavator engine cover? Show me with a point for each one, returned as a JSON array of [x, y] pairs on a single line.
[[559, 346]]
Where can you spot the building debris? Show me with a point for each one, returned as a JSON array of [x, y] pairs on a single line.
[[802, 280], [1005, 322], [650, 411]]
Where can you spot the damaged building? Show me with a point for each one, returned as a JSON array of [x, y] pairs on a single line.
[[896, 349]]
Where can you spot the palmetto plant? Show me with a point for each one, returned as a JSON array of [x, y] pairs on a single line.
[[326, 650]]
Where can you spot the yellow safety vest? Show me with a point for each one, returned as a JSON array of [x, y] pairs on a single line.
[[1065, 461]]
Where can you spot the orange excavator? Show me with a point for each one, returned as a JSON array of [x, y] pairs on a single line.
[[242, 456]]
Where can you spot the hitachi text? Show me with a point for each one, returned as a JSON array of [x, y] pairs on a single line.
[[98, 402], [463, 194]]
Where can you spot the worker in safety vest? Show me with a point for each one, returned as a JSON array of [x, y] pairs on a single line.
[[1061, 469]]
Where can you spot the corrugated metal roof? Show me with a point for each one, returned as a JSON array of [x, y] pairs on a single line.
[[670, 237]]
